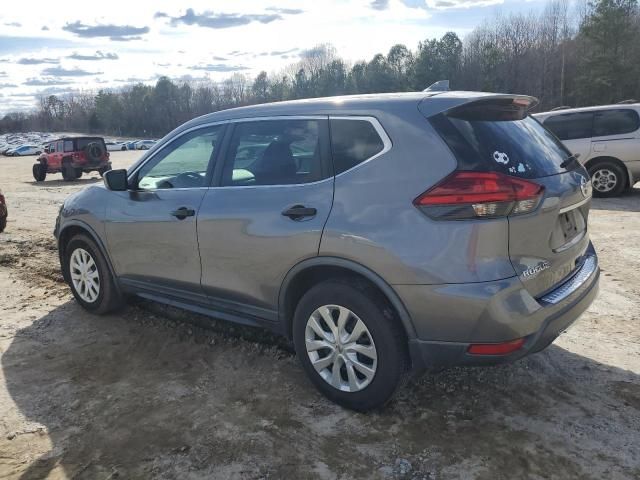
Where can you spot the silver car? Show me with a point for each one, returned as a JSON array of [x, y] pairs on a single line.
[[606, 140], [380, 233]]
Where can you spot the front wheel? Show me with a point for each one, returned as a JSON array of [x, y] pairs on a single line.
[[39, 172], [89, 276], [350, 344], [608, 179]]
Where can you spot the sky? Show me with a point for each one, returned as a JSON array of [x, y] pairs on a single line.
[[55, 47]]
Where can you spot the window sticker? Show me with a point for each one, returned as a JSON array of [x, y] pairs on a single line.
[[501, 157]]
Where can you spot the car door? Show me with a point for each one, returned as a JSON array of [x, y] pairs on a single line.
[[273, 196], [151, 229]]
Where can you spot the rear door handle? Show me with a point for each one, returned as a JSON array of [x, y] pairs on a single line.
[[183, 212], [298, 212]]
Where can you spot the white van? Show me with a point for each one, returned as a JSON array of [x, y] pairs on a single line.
[[607, 140]]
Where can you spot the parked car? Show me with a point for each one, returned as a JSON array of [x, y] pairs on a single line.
[[115, 146], [607, 141], [380, 233], [23, 150], [72, 156], [3, 212], [145, 144]]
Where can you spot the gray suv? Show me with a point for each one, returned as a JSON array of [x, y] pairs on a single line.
[[380, 233]]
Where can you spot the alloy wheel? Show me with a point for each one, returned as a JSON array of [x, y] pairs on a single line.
[[604, 180], [84, 275], [341, 348]]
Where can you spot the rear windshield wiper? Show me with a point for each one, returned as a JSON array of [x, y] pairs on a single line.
[[573, 158]]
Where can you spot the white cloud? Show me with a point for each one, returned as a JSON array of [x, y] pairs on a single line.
[[185, 47]]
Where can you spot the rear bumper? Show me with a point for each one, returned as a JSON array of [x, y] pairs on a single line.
[[501, 322]]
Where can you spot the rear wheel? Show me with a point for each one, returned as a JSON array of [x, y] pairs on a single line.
[[68, 173], [89, 276], [78, 172], [3, 224], [104, 170], [39, 172], [607, 178], [350, 345]]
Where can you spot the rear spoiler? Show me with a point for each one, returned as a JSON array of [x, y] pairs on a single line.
[[478, 106]]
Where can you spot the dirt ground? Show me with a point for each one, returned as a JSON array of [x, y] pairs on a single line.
[[149, 393]]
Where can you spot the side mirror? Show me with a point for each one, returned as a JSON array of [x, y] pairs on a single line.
[[116, 180]]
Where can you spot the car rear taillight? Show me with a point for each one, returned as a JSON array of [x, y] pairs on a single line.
[[76, 155], [464, 195]]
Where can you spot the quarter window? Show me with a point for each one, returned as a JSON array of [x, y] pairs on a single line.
[[183, 163], [274, 152], [615, 122], [353, 142], [571, 126]]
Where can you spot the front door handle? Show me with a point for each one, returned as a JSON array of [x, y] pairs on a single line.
[[298, 212], [183, 212]]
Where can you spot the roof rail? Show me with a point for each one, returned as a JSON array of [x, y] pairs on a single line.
[[627, 102], [563, 107], [439, 86]]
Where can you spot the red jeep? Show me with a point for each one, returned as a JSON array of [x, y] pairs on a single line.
[[72, 156]]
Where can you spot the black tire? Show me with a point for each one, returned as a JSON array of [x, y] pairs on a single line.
[[39, 172], [108, 298], [68, 173], [104, 170], [607, 170], [94, 152], [3, 224], [386, 334], [78, 172], [123, 148]]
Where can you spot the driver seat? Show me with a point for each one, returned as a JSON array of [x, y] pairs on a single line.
[[277, 165]]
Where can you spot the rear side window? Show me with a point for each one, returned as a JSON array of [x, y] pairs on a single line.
[[353, 142], [522, 148], [274, 152], [615, 122], [68, 145], [571, 126]]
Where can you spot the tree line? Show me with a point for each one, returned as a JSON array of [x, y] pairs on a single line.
[[566, 56]]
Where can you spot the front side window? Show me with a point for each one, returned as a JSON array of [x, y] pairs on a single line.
[[352, 142], [274, 152], [571, 126], [183, 163], [615, 122], [59, 147]]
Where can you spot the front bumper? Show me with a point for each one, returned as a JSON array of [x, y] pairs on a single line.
[[505, 319]]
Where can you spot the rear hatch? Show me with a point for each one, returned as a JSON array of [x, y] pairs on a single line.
[[546, 244]]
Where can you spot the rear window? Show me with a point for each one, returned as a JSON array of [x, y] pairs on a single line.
[[571, 126], [615, 122], [521, 148], [83, 142], [353, 142]]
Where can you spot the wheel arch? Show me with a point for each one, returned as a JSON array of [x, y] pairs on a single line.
[[312, 271], [605, 158], [75, 227]]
